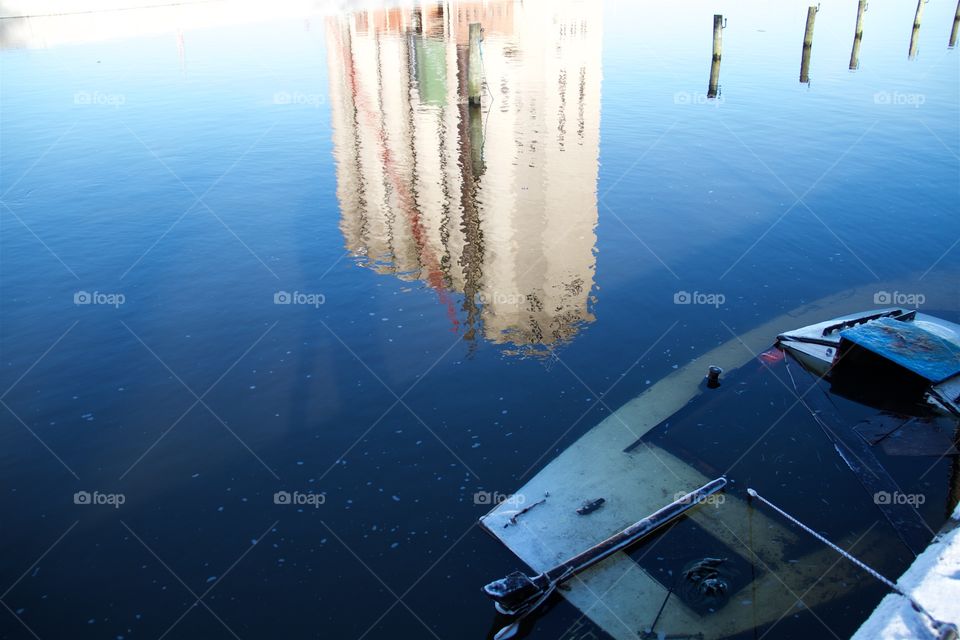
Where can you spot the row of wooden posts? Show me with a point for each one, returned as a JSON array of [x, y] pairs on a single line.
[[475, 60], [719, 24]]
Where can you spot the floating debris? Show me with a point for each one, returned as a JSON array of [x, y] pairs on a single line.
[[513, 518], [706, 576], [590, 506]]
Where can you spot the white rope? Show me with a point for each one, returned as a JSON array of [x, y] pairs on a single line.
[[945, 629]]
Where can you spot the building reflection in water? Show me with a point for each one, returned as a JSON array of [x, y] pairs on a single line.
[[493, 207]]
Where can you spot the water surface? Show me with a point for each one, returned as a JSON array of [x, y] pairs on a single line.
[[338, 278]]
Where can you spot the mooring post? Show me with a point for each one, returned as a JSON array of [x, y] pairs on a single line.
[[474, 65], [956, 25], [858, 35], [476, 139], [717, 36], [808, 45], [914, 37], [713, 87]]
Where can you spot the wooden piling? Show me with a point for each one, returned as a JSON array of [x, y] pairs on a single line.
[[858, 35], [956, 26], [713, 86], [808, 45], [717, 36], [474, 65], [914, 36], [476, 140], [808, 33]]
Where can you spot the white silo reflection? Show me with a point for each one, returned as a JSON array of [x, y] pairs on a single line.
[[498, 202]]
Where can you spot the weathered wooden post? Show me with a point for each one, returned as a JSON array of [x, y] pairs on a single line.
[[956, 25], [476, 140], [858, 35], [914, 37], [808, 45], [717, 53], [474, 65]]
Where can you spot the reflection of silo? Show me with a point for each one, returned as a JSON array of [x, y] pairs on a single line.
[[542, 148], [431, 70], [412, 199]]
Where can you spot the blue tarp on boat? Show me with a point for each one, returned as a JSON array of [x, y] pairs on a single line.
[[908, 345]]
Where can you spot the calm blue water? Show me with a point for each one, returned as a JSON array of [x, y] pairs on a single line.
[[464, 285]]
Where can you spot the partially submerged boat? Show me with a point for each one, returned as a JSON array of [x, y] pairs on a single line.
[[676, 436], [914, 353]]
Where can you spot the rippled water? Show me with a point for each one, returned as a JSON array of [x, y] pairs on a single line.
[[251, 249]]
